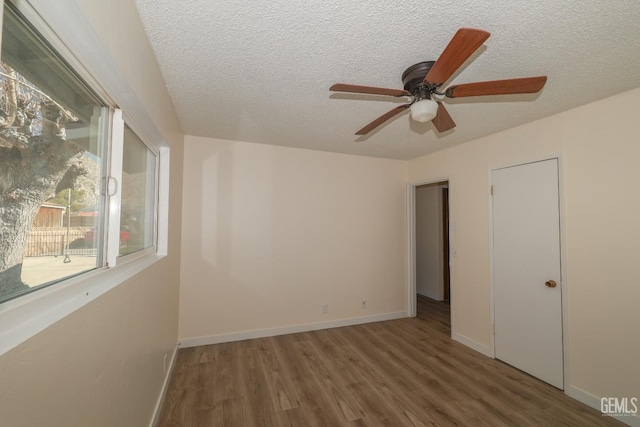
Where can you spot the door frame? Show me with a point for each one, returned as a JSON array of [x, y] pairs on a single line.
[[563, 263], [411, 241]]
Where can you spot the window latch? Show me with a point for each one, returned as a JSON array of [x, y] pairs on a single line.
[[112, 186]]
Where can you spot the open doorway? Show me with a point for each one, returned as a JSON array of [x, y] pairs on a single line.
[[431, 246]]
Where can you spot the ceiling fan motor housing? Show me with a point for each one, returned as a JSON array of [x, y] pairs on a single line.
[[413, 77]]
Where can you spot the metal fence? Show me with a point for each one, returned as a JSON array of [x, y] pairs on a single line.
[[58, 242]]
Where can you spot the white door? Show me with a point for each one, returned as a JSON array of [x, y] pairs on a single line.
[[526, 248]]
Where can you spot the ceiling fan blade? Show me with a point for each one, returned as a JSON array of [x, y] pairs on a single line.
[[443, 121], [498, 87], [460, 48], [383, 118], [342, 87]]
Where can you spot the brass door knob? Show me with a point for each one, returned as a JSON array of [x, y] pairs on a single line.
[[550, 283]]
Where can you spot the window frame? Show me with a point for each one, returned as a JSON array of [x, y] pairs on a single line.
[[65, 27], [114, 231]]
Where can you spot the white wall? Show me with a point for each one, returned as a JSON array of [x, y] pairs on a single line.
[[103, 364], [270, 234], [600, 148], [429, 235]]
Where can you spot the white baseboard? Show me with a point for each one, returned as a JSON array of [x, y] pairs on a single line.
[[271, 332], [165, 385], [583, 396], [480, 348], [594, 402], [433, 296]]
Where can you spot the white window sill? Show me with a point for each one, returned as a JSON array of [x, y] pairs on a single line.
[[24, 317]]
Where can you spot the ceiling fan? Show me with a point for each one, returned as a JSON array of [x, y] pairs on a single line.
[[422, 80]]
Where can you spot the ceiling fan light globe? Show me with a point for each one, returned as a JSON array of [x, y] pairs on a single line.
[[424, 110]]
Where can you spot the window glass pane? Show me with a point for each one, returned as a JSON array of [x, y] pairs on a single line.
[[137, 215], [52, 155]]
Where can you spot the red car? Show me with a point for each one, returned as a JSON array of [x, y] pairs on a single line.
[[90, 236]]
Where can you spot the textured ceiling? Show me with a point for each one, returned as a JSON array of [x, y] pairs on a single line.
[[260, 71]]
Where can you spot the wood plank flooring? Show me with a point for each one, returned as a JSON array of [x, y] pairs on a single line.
[[405, 372]]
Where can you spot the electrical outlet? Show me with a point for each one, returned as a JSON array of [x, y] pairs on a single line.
[[325, 308], [364, 304]]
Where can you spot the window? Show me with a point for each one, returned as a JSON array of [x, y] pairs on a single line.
[[58, 140], [137, 212]]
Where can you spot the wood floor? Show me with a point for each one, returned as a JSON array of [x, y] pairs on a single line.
[[404, 372]]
